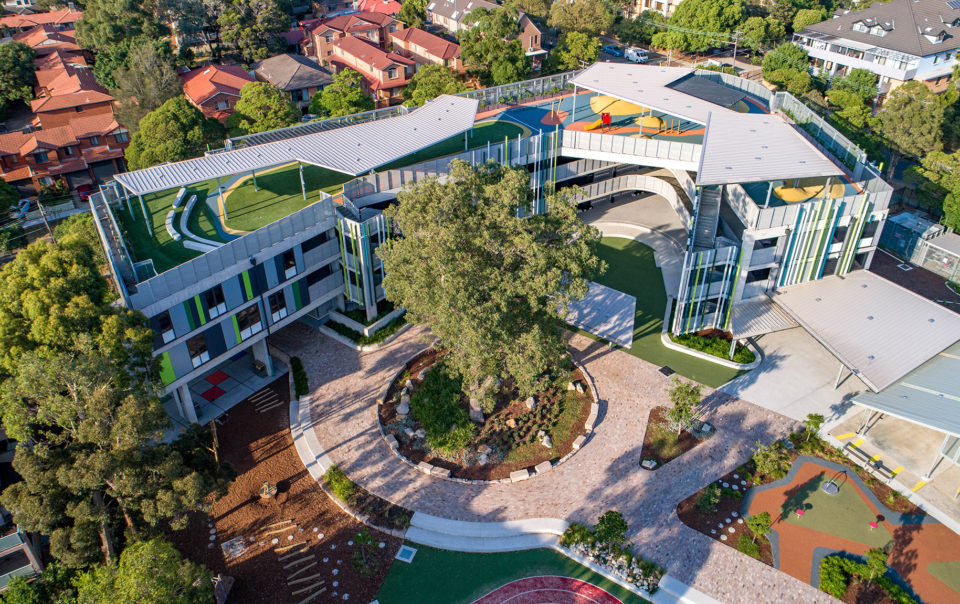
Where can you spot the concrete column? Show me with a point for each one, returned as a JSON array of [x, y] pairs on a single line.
[[185, 402], [573, 113], [303, 186], [146, 217], [262, 353], [253, 173]]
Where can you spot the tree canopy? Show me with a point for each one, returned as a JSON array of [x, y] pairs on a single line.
[[937, 181], [758, 32], [860, 82], [714, 16], [575, 51], [429, 82], [534, 8], [16, 74], [261, 107], [343, 96], [786, 66], [174, 131], [413, 13], [911, 122], [491, 285], [806, 17], [591, 17], [253, 27], [640, 30], [491, 49], [146, 79], [106, 23]]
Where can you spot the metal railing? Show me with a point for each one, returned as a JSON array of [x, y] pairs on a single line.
[[646, 148], [635, 182]]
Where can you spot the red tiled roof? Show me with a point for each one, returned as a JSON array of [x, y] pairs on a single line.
[[101, 153], [354, 22], [59, 59], [71, 79], [11, 142], [16, 174], [94, 125], [434, 45], [203, 83], [63, 101], [370, 54], [65, 167], [62, 16], [53, 138], [47, 38], [372, 82], [387, 7]]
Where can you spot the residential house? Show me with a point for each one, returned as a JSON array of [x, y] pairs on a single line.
[[215, 89], [386, 7], [664, 7], [373, 27], [63, 19], [901, 40], [19, 7], [332, 8], [424, 48], [66, 90], [47, 38], [531, 38], [451, 15], [298, 76], [385, 74]]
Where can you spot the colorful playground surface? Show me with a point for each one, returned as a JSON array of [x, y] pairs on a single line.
[[525, 577], [924, 554], [798, 190]]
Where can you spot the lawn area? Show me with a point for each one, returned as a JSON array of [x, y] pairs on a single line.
[[947, 572], [631, 269], [455, 577], [279, 195], [843, 515], [482, 133]]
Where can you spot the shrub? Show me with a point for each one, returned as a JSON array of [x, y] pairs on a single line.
[[771, 460], [686, 398], [576, 533], [342, 487], [717, 347], [837, 572], [375, 338], [708, 500], [760, 525], [301, 386], [746, 546], [611, 529], [436, 405]]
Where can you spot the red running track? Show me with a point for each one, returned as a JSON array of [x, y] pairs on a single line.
[[548, 590]]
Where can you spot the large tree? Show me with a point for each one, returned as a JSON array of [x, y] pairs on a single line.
[[640, 30], [534, 8], [253, 28], [757, 32], [786, 66], [174, 131], [106, 23], [261, 107], [429, 82], [911, 123], [491, 48], [413, 12], [808, 16], [16, 74], [576, 51], [343, 96], [860, 82], [491, 285], [588, 16], [146, 80], [717, 17], [937, 182]]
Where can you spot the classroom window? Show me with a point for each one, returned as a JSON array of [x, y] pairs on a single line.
[[216, 305], [278, 306], [248, 320], [197, 347], [165, 325], [289, 264], [320, 274]]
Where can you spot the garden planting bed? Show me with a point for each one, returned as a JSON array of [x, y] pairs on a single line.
[[507, 441], [661, 443], [260, 448]]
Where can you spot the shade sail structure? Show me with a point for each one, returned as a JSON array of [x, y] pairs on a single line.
[[877, 329], [351, 150], [754, 147], [758, 316], [606, 313], [929, 395]]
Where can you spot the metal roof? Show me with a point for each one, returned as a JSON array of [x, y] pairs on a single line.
[[758, 316], [351, 150], [877, 329], [929, 396], [948, 242], [752, 147]]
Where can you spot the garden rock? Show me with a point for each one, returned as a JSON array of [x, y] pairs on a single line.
[[409, 432], [649, 463], [403, 409], [421, 375], [530, 402], [476, 411], [408, 385], [420, 433], [484, 450], [511, 423], [482, 459]]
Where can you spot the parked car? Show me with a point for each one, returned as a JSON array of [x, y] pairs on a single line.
[[637, 55], [85, 191], [612, 49]]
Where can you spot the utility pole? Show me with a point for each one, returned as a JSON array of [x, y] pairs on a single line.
[[736, 40], [44, 217]]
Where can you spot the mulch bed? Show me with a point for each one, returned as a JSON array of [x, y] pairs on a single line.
[[715, 524], [508, 406], [260, 448], [652, 450], [861, 593]]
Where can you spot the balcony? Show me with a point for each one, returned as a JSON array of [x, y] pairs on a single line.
[[838, 55]]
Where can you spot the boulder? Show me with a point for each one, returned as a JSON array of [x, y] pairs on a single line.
[[541, 434], [649, 464], [571, 386], [476, 412], [483, 458], [579, 386], [403, 409], [511, 423], [530, 402], [409, 432], [420, 433], [546, 442], [421, 375], [484, 450], [408, 385]]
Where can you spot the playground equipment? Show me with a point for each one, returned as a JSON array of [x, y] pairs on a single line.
[[800, 193]]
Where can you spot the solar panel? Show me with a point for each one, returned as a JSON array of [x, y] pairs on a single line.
[[954, 4]]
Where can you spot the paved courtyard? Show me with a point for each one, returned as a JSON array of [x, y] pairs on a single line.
[[603, 475]]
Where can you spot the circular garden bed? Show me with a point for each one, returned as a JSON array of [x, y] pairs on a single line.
[[438, 429]]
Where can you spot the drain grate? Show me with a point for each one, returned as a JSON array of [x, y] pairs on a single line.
[[665, 370]]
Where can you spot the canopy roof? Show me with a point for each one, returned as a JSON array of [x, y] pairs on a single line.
[[877, 329], [351, 150]]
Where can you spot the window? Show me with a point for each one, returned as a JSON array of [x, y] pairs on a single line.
[[216, 305], [289, 264], [328, 38], [68, 150], [78, 108], [41, 157], [94, 140], [392, 74], [221, 105], [122, 137], [248, 320], [197, 347], [278, 306], [858, 26], [320, 274], [165, 325], [315, 242], [936, 59], [393, 29]]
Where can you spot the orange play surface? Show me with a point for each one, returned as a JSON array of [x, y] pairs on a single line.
[[915, 545]]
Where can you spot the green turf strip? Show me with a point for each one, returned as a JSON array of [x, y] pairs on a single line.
[[947, 573], [444, 577], [844, 514], [632, 270]]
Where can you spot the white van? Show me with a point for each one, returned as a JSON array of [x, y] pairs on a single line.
[[637, 55]]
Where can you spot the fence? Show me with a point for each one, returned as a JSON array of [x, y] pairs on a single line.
[[636, 182], [646, 148]]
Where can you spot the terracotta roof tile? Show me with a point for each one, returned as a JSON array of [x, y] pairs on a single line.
[[387, 7], [203, 83], [370, 54], [62, 16], [63, 101], [94, 125], [434, 45], [354, 22]]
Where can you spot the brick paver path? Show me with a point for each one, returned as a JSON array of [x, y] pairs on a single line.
[[603, 475]]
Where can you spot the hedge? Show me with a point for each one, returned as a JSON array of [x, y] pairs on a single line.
[[836, 573], [717, 347], [300, 384]]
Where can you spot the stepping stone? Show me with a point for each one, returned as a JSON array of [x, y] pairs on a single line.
[[719, 525], [210, 545], [732, 530], [289, 537], [735, 488], [736, 476], [213, 531], [739, 520], [726, 485], [213, 537], [728, 521], [713, 531], [734, 514], [336, 583], [333, 546], [320, 536], [349, 542], [275, 541], [723, 537], [315, 529], [335, 572], [381, 545], [326, 559], [743, 483], [346, 596]]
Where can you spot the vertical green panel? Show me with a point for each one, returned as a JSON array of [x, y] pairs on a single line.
[[196, 301], [296, 297], [247, 288], [236, 328], [167, 374], [190, 319]]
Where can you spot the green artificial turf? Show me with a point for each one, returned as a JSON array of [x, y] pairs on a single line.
[[947, 573], [448, 577], [844, 515], [484, 132], [278, 195], [632, 270]]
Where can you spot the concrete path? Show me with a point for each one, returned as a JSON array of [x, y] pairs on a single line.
[[603, 475]]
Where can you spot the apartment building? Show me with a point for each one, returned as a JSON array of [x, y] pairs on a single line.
[[385, 74], [900, 40], [664, 7], [426, 48], [215, 89], [452, 15], [373, 27]]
